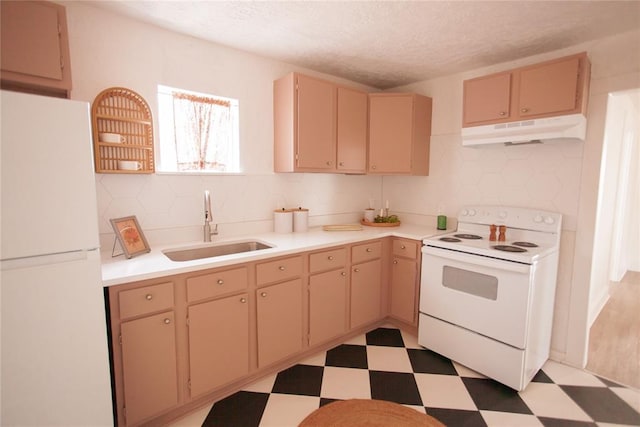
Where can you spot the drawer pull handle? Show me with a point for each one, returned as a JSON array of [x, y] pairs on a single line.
[[148, 297], [167, 321], [220, 282], [357, 270], [263, 294], [369, 250], [343, 274], [330, 257], [403, 247], [524, 110], [243, 300], [281, 268], [503, 113], [395, 261]]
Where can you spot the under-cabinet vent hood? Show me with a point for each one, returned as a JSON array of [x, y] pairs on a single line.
[[570, 127]]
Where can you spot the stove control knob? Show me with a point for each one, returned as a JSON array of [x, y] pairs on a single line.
[[464, 212], [549, 220], [472, 212], [538, 218]]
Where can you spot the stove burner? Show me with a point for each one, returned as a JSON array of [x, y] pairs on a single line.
[[468, 236], [525, 244], [450, 239], [508, 248]]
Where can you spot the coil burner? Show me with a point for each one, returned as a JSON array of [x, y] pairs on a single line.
[[525, 244], [509, 248], [450, 239], [467, 236]]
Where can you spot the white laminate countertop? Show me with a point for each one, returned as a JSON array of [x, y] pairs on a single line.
[[155, 264]]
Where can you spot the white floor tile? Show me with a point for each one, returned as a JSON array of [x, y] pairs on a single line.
[[288, 410], [463, 371], [410, 340], [345, 383], [263, 385], [357, 340], [509, 419], [195, 418], [392, 359], [548, 400], [567, 375], [632, 397], [444, 391], [318, 359]]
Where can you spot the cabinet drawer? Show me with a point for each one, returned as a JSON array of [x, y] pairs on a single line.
[[217, 283], [367, 251], [136, 302], [327, 260], [281, 269], [405, 248]]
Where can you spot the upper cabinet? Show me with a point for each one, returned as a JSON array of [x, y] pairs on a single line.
[[318, 126], [399, 133], [35, 48], [547, 89]]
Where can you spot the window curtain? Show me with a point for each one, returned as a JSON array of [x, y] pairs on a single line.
[[202, 132]]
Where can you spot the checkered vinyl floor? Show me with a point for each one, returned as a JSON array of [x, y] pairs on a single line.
[[388, 364]]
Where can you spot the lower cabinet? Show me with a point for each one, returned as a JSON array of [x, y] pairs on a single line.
[[150, 383], [218, 342], [366, 292], [327, 306], [279, 319], [405, 280]]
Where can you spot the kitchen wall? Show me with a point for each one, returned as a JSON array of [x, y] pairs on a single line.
[[108, 50]]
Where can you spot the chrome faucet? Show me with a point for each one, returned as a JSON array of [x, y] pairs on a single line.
[[208, 217]]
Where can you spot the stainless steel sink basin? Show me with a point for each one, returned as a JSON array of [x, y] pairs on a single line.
[[189, 254]]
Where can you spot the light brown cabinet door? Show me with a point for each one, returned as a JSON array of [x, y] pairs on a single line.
[[150, 383], [390, 134], [403, 289], [352, 131], [218, 342], [487, 98], [34, 45], [366, 289], [279, 321], [316, 112], [549, 88], [327, 306]]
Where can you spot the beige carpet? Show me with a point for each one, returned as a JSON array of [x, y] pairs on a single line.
[[370, 413]]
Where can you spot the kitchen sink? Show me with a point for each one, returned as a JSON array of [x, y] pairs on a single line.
[[190, 254]]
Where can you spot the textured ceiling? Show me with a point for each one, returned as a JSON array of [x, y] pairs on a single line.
[[389, 43]]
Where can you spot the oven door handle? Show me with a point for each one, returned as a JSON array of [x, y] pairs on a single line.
[[479, 260]]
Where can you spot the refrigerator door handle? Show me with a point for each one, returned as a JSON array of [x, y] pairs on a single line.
[[34, 261]]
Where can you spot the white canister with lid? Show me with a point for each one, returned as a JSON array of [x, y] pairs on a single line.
[[282, 221], [300, 220]]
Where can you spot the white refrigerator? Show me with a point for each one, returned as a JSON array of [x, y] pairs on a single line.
[[54, 354]]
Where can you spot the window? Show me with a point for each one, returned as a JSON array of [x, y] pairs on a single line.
[[198, 132]]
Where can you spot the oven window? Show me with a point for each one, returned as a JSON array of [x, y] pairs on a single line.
[[470, 282]]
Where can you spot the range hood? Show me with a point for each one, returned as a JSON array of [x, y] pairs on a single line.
[[570, 127]]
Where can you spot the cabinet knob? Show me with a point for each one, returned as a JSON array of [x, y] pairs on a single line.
[[328, 163], [369, 250], [343, 274], [167, 321], [356, 270], [403, 247], [503, 113], [330, 257], [281, 268], [148, 297], [395, 261], [524, 110], [374, 167], [341, 163], [263, 294], [243, 300], [220, 282]]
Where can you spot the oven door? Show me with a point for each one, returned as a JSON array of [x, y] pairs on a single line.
[[484, 295]]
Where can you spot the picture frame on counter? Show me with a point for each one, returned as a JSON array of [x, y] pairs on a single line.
[[130, 237]]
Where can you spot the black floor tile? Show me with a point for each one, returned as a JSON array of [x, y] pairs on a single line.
[[557, 422], [609, 383], [541, 377], [243, 408], [491, 395], [428, 362], [304, 380], [385, 337], [348, 356], [325, 401], [395, 387], [457, 417], [603, 405]]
